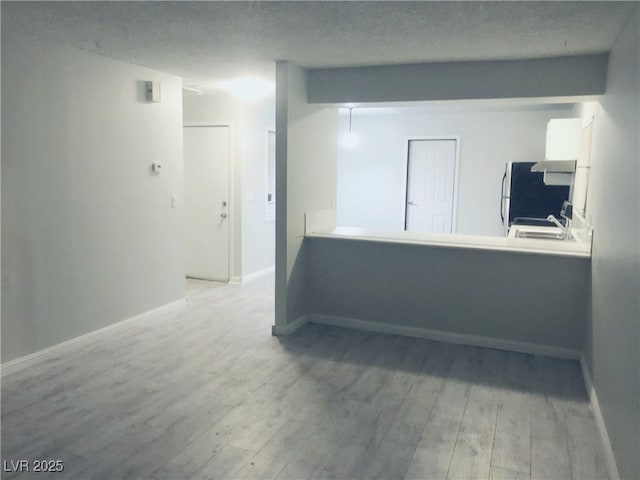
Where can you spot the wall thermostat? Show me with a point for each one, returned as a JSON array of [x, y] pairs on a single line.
[[156, 167]]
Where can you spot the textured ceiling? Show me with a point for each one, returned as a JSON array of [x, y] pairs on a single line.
[[207, 41]]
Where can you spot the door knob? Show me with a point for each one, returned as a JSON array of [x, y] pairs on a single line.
[[223, 215], [412, 203]]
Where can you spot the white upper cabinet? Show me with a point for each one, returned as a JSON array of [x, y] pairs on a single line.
[[563, 139]]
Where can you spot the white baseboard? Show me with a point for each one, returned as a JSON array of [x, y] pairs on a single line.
[[289, 328], [25, 361], [253, 276], [610, 459], [450, 337], [259, 274]]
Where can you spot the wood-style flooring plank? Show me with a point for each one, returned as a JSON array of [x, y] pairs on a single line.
[[472, 453], [278, 452], [433, 453], [512, 440]]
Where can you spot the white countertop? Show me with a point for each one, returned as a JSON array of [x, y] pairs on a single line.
[[567, 248]]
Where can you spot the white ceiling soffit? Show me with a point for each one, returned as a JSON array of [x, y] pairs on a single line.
[[206, 41]]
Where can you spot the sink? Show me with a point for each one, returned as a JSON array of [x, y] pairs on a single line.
[[539, 235]]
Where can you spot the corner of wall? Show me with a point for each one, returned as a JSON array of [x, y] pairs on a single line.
[[615, 366], [282, 110], [306, 163]]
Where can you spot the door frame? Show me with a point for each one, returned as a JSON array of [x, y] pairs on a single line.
[[456, 176], [232, 208]]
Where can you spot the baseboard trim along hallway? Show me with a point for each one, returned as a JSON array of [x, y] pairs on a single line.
[[289, 328], [253, 276], [30, 359]]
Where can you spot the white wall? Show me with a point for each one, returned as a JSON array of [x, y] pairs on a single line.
[[372, 175], [306, 152], [614, 203], [312, 154], [258, 234], [89, 235], [253, 236]]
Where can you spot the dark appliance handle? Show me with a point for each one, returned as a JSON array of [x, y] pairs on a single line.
[[504, 177]]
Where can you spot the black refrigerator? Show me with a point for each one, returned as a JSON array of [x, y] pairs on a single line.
[[526, 200]]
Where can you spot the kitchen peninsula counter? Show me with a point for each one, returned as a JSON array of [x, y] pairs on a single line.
[[520, 294], [566, 248]]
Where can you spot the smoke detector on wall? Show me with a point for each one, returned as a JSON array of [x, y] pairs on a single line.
[[153, 91]]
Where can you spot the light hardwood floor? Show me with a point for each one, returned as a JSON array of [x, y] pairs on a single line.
[[207, 392]]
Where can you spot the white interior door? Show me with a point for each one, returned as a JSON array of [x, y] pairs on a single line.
[[206, 202], [430, 185]]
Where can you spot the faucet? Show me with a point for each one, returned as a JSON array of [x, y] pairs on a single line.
[[566, 229]]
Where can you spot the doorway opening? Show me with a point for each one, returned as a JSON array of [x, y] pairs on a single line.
[[206, 201]]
